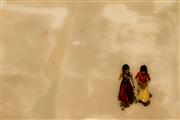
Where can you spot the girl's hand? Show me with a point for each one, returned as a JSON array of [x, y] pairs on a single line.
[[145, 85], [140, 83], [126, 76]]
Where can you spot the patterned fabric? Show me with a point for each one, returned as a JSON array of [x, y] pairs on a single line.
[[144, 95], [126, 94]]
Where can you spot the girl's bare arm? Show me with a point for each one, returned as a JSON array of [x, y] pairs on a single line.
[[132, 80], [120, 77]]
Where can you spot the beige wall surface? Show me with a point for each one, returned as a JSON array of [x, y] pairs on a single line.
[[62, 59]]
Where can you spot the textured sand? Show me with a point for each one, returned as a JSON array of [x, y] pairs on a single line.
[[63, 59]]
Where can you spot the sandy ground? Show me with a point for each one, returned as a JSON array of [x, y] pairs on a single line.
[[62, 60]]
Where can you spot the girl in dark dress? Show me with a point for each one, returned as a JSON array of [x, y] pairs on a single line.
[[126, 93]]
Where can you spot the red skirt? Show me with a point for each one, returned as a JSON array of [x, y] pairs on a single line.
[[126, 94]]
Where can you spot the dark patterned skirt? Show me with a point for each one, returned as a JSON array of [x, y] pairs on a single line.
[[126, 93]]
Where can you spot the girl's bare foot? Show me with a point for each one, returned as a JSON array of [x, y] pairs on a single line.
[[146, 104], [122, 108]]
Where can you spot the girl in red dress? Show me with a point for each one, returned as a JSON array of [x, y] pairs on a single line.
[[142, 78], [126, 93]]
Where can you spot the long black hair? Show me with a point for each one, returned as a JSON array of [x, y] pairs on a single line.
[[125, 67], [143, 68]]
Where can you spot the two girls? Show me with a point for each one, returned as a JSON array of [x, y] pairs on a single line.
[[126, 92]]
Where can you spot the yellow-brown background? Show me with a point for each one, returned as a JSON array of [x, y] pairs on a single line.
[[62, 59]]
